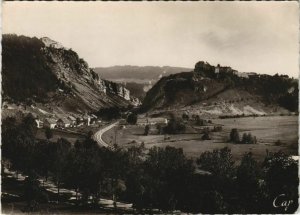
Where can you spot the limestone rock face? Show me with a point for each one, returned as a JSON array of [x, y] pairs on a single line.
[[56, 76]]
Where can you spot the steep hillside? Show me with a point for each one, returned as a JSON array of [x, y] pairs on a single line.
[[220, 90], [42, 71]]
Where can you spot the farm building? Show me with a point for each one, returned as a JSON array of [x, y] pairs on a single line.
[[72, 120], [63, 123], [152, 121], [50, 123]]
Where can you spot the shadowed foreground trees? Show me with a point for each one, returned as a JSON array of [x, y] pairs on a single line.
[[162, 178]]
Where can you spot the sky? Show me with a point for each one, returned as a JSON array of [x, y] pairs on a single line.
[[260, 37]]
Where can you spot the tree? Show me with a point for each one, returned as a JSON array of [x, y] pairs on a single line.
[[199, 121], [213, 203], [132, 118], [248, 139], [281, 177], [58, 153], [32, 192], [234, 136], [147, 129], [166, 174], [9, 132], [248, 175], [220, 163], [109, 113], [29, 126], [174, 126], [48, 133], [206, 135], [41, 160], [185, 116]]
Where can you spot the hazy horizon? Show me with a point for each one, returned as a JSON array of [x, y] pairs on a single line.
[[257, 37]]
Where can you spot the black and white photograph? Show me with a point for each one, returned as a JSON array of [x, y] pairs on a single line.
[[163, 107]]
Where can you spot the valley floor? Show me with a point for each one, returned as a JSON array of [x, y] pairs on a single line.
[[268, 131]]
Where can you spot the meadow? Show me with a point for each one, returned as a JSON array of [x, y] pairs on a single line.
[[273, 133]]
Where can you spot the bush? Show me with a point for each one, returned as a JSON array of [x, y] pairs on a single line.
[[206, 135], [185, 116], [248, 139], [147, 129], [109, 113], [200, 122], [132, 118], [175, 126], [217, 129], [48, 133]]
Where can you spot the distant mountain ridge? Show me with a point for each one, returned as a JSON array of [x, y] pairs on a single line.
[[141, 73], [43, 71], [221, 90], [138, 79]]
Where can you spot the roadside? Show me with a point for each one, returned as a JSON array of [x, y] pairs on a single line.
[[98, 135]]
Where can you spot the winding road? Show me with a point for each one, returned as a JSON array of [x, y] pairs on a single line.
[[98, 135]]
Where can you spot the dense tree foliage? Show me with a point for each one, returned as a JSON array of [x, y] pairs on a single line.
[[109, 113], [234, 136], [147, 129], [23, 67], [247, 138], [162, 178], [175, 126], [48, 133], [132, 118]]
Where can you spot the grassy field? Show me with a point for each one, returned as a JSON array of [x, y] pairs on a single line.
[[267, 130]]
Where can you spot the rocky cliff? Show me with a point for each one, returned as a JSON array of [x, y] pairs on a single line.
[[221, 90], [43, 71]]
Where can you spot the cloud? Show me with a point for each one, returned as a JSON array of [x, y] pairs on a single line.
[[248, 36]]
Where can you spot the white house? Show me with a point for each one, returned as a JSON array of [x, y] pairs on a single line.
[[39, 123]]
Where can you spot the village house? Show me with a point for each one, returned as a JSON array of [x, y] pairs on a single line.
[[50, 123], [251, 74], [93, 119], [63, 123], [72, 120]]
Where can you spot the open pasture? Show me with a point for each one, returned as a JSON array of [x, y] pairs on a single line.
[[267, 130]]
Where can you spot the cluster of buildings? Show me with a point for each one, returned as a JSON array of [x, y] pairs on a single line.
[[66, 122], [202, 67]]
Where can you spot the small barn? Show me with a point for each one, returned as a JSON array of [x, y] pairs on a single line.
[[50, 123], [72, 120], [63, 123]]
